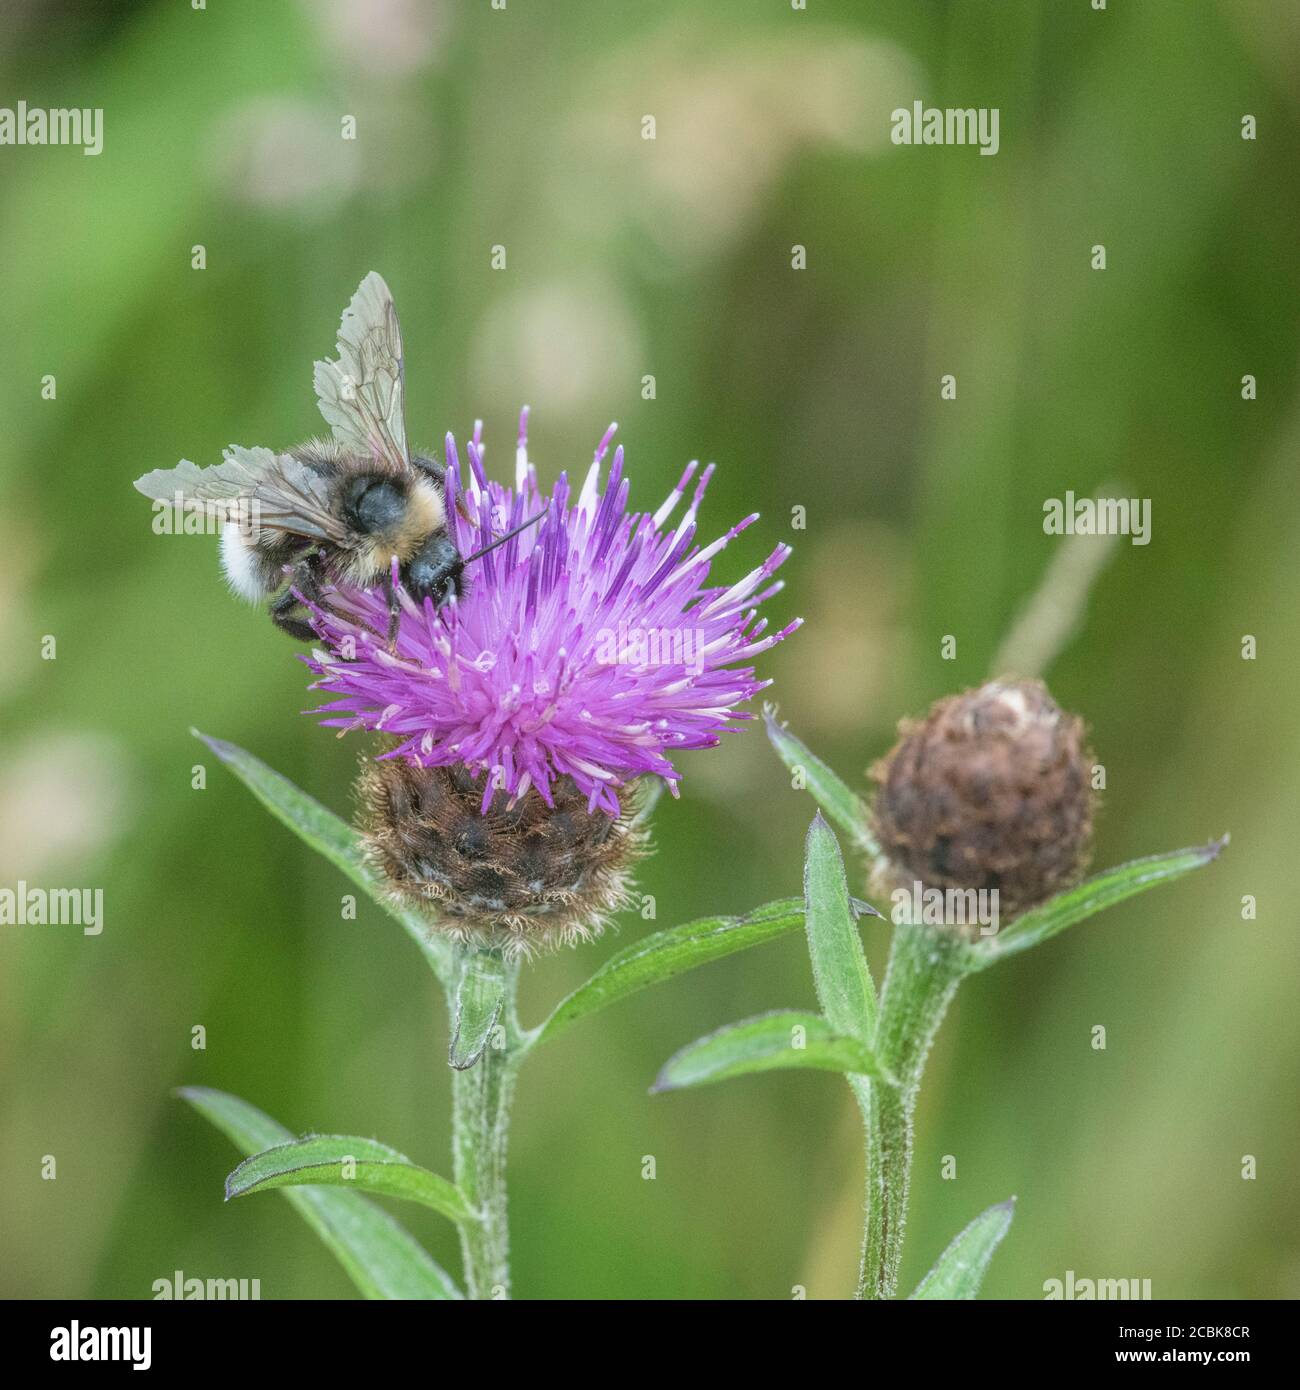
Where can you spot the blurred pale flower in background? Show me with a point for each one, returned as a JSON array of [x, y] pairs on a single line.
[[573, 343], [63, 798], [728, 119], [388, 38], [288, 154], [283, 154]]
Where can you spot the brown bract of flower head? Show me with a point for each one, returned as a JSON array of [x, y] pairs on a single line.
[[525, 877], [991, 790]]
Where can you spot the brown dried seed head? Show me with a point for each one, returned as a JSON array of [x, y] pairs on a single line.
[[525, 877], [993, 789]]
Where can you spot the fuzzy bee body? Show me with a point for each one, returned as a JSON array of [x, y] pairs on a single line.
[[341, 510], [385, 516]]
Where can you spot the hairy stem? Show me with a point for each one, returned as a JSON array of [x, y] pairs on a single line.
[[481, 1098], [925, 967]]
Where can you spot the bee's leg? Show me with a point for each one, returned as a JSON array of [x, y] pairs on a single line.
[[283, 609], [286, 610], [307, 576]]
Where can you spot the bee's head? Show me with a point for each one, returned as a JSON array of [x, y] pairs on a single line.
[[435, 571]]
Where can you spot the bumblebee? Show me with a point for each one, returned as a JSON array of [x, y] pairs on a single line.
[[346, 510]]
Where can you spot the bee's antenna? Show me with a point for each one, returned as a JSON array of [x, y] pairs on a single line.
[[501, 540]]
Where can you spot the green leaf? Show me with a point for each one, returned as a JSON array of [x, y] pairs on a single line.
[[327, 1159], [329, 836], [960, 1270], [380, 1256], [841, 804], [766, 1043], [664, 954], [480, 996], [840, 973], [1093, 894]]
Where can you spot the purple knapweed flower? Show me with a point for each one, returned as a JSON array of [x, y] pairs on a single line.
[[590, 646], [586, 651]]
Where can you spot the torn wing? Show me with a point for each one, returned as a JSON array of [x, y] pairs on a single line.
[[362, 395], [274, 490]]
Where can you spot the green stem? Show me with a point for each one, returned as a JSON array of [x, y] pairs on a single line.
[[925, 967], [873, 1227], [481, 1097]]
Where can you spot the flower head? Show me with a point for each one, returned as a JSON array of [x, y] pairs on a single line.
[[589, 647], [992, 790]]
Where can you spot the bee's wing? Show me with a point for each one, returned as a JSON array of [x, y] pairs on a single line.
[[362, 395], [284, 493]]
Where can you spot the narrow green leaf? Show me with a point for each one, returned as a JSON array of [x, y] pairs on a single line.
[[840, 973], [960, 1270], [1093, 894], [664, 954], [769, 1042], [480, 996], [329, 836], [348, 1161], [380, 1256], [842, 806]]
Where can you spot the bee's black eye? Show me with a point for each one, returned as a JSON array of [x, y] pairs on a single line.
[[375, 505]]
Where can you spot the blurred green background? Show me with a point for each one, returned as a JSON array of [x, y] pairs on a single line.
[[817, 389]]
